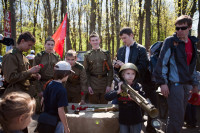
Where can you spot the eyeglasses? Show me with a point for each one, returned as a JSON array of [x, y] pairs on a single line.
[[182, 28]]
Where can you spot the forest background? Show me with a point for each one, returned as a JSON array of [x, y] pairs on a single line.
[[151, 20]]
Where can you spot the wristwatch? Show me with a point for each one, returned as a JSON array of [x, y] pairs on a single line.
[[1, 37]]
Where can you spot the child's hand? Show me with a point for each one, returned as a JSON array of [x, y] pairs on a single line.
[[119, 87]]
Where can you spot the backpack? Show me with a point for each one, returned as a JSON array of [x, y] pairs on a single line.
[[154, 54]]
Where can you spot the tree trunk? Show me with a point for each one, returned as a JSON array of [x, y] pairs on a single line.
[[198, 44], [112, 29], [13, 21], [99, 20], [79, 24], [20, 5], [148, 24], [48, 8], [55, 15], [193, 9], [107, 28], [35, 15], [158, 5], [92, 16], [141, 19], [64, 11], [117, 23]]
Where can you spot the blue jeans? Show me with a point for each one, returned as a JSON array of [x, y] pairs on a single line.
[[59, 128], [130, 128]]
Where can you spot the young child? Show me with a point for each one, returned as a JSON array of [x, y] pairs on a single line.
[[76, 84], [16, 109], [130, 114], [55, 99]]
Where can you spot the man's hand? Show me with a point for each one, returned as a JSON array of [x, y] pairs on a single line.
[[90, 90], [195, 89], [36, 76], [34, 69], [82, 102], [108, 89], [164, 90], [118, 64]]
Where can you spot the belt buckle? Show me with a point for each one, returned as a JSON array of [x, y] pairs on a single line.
[[99, 76]]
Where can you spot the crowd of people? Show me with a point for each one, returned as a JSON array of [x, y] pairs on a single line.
[[45, 84]]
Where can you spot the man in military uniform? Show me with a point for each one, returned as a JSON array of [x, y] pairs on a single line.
[[99, 71], [15, 66], [76, 84], [48, 59]]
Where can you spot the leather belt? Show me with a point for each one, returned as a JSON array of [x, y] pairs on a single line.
[[99, 76]]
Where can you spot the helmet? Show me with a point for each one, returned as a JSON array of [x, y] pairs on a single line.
[[128, 66], [194, 99]]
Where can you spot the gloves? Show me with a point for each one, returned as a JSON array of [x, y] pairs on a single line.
[[7, 41]]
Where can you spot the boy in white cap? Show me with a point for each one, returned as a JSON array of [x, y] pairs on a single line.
[[55, 99]]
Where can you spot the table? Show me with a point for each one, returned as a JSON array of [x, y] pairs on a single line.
[[93, 122]]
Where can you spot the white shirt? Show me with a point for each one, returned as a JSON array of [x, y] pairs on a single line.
[[127, 53]]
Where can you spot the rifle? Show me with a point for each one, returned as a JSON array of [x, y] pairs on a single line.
[[140, 100]]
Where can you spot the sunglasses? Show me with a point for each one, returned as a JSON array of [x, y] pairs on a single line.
[[182, 28]]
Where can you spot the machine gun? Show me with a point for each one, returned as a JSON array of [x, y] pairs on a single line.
[[141, 101]]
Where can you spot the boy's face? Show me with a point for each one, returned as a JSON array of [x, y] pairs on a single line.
[[127, 39], [95, 41], [49, 45], [129, 76], [25, 45], [71, 60]]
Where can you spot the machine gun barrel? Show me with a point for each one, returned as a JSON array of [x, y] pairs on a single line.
[[140, 100]]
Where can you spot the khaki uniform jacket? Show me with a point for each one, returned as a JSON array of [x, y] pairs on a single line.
[[14, 67], [48, 60], [99, 69], [77, 82]]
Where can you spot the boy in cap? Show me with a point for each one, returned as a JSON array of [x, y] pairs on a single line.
[[55, 98], [76, 84], [99, 71]]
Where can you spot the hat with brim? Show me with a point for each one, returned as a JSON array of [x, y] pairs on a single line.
[[63, 66]]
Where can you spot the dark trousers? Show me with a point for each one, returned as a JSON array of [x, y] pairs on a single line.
[[190, 115]]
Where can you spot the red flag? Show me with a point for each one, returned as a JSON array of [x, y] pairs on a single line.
[[59, 37]]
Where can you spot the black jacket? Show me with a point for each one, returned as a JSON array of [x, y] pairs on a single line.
[[129, 112], [137, 56]]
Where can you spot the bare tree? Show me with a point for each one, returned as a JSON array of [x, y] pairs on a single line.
[[107, 27], [158, 6], [117, 23], [92, 16], [13, 21], [198, 45], [141, 19], [35, 11], [148, 24]]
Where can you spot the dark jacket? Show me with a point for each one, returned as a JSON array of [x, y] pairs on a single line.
[[137, 56], [129, 111], [172, 63]]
